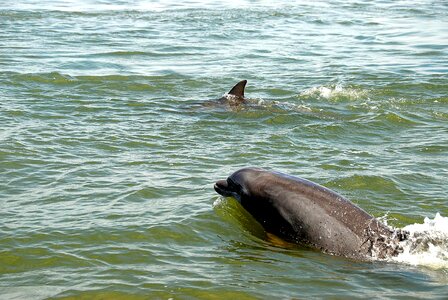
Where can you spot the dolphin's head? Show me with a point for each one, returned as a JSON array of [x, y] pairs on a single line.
[[236, 185], [248, 187]]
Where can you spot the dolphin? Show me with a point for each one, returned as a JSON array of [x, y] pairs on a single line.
[[304, 212], [235, 96]]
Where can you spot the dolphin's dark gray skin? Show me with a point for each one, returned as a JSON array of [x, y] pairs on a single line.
[[234, 99], [304, 212], [235, 96]]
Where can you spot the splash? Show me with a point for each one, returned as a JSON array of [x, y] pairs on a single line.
[[427, 244], [335, 92], [219, 202]]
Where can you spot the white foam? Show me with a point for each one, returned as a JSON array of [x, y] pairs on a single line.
[[427, 244], [335, 92], [220, 201]]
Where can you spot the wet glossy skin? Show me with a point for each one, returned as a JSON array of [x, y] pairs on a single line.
[[304, 212], [235, 96]]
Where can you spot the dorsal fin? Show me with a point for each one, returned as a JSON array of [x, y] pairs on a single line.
[[238, 89]]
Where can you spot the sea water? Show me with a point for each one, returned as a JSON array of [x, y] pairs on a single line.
[[108, 156]]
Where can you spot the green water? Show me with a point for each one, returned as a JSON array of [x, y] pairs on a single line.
[[108, 156]]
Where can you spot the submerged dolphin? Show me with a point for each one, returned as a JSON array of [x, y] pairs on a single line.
[[235, 96], [234, 99], [305, 212]]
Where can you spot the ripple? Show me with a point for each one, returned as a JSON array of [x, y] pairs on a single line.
[[108, 157]]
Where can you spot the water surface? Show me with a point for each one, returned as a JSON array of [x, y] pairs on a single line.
[[108, 158]]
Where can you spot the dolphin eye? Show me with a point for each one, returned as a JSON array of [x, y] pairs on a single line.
[[232, 184], [235, 187]]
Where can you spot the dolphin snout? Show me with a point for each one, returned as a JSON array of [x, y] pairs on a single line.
[[221, 187]]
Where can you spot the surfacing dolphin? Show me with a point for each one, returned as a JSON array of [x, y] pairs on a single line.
[[234, 99], [235, 96], [304, 212]]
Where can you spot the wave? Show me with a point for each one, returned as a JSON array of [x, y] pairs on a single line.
[[110, 82], [381, 96], [426, 245], [335, 92]]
